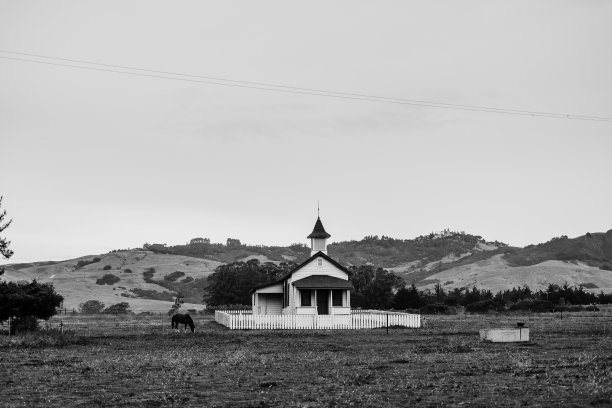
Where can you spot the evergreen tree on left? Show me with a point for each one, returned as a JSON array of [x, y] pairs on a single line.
[[24, 303]]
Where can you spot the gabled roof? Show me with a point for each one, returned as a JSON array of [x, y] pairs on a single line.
[[318, 231], [300, 266], [322, 282]]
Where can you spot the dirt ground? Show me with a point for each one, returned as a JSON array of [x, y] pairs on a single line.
[[140, 362]]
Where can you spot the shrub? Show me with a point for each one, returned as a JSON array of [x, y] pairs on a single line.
[[83, 263], [148, 274], [108, 279], [118, 308], [91, 307], [187, 279], [569, 308], [213, 308], [152, 294], [23, 324], [482, 306], [127, 270], [533, 305], [171, 277], [106, 267], [436, 308]]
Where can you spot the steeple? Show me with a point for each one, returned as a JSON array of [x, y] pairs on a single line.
[[318, 238]]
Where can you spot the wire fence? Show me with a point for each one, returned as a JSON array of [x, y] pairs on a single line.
[[104, 325], [101, 325]]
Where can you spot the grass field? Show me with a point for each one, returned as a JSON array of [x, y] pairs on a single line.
[[106, 361]]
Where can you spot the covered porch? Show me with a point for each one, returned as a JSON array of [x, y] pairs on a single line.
[[321, 295]]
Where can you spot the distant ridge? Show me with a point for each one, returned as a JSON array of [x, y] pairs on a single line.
[[594, 249], [440, 250], [149, 278]]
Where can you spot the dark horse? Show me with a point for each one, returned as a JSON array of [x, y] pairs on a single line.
[[185, 319]]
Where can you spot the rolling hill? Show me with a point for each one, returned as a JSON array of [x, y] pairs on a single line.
[[78, 283], [148, 279]]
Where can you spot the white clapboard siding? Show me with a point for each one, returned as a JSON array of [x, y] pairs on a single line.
[[273, 305], [369, 319]]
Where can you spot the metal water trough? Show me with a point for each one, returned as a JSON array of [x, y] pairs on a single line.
[[515, 335]]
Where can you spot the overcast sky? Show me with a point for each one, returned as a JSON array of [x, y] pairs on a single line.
[[93, 160]]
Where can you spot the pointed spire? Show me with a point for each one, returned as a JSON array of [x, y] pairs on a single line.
[[318, 231]]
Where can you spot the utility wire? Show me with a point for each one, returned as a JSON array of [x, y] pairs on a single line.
[[264, 84], [289, 89]]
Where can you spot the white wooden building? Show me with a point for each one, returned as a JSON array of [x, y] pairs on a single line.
[[318, 286]]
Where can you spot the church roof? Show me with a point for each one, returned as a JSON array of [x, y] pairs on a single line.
[[318, 231], [300, 266]]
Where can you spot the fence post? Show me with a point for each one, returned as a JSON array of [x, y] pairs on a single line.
[[10, 318], [61, 327], [387, 323]]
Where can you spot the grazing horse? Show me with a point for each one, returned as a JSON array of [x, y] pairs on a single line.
[[185, 319]]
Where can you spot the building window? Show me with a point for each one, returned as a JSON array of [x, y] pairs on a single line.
[[305, 294], [286, 294], [337, 297], [319, 244], [319, 262]]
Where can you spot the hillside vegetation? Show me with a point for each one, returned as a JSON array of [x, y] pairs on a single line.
[[146, 281], [234, 251], [384, 251], [594, 249], [389, 252], [150, 278]]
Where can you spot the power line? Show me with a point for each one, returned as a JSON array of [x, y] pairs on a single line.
[[267, 84], [121, 69]]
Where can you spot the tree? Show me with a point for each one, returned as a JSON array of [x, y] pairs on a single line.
[[232, 242], [118, 308], [231, 284], [4, 244], [472, 296], [407, 298], [439, 291], [374, 288], [92, 307], [178, 301], [29, 301]]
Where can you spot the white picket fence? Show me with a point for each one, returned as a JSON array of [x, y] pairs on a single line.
[[362, 319]]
